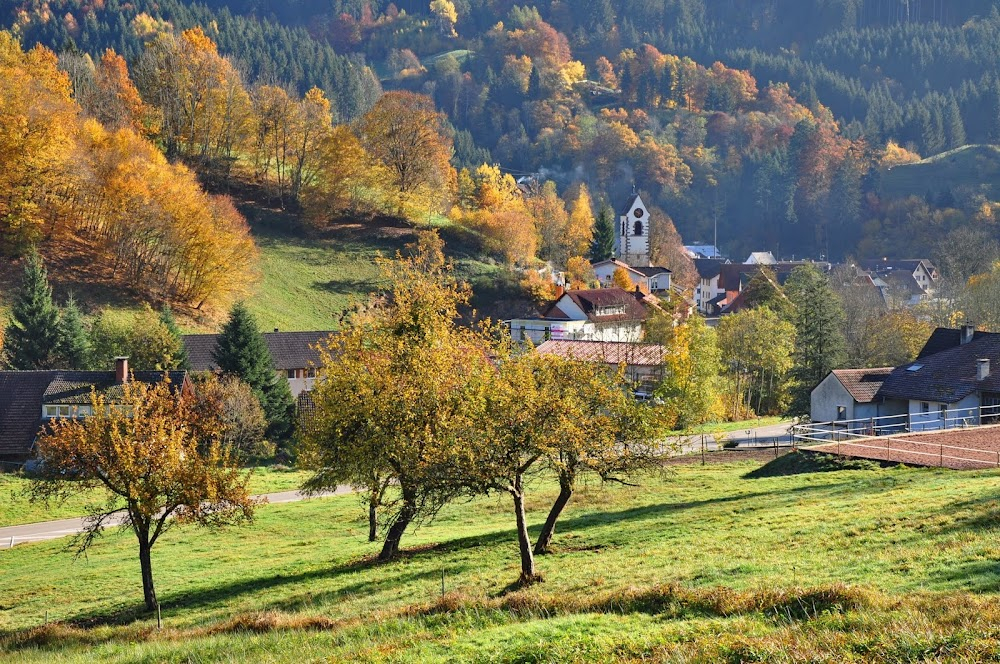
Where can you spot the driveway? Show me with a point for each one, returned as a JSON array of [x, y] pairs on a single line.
[[46, 530]]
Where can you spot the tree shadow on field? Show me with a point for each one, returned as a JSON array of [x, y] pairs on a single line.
[[344, 286], [980, 576], [180, 601]]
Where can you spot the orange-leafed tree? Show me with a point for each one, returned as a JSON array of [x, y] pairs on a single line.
[[405, 133], [153, 460], [115, 101]]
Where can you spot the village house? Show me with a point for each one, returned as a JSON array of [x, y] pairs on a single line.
[[643, 362], [902, 282], [29, 399], [696, 251], [953, 382], [734, 277], [293, 355], [709, 292], [650, 279], [599, 314]]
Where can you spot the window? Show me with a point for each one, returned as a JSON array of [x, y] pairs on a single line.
[[50, 412], [610, 311], [841, 412], [925, 407], [638, 228], [310, 373], [290, 373], [623, 229]]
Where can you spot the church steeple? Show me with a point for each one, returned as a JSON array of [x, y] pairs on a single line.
[[632, 233]]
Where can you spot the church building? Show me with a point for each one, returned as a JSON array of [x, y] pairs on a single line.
[[632, 233]]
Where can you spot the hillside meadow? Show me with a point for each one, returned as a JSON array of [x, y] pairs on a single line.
[[726, 562]]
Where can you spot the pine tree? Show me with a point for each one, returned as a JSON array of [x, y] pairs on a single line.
[[168, 320], [33, 332], [241, 351], [953, 126], [819, 338], [74, 343], [603, 247]]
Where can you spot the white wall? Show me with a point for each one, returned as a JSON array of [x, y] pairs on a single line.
[[958, 413]]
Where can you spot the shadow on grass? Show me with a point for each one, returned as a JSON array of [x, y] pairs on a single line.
[[978, 576], [201, 597], [797, 463]]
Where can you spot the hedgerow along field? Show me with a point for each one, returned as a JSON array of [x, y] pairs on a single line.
[[729, 562]]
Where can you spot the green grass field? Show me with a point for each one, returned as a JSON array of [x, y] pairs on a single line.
[[971, 166], [702, 564], [16, 509]]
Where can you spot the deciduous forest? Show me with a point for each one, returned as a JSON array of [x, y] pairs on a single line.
[[811, 129]]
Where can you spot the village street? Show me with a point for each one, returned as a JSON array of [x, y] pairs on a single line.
[[46, 530]]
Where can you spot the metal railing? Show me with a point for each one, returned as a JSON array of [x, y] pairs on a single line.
[[847, 437]]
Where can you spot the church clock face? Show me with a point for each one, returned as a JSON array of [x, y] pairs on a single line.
[[638, 213]]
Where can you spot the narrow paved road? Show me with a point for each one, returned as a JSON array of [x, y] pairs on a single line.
[[46, 530], [753, 437]]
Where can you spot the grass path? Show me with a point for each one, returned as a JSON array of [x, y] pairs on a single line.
[[688, 563]]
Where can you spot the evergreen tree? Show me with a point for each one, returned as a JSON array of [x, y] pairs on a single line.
[[168, 320], [953, 126], [33, 332], [74, 343], [241, 351], [603, 246], [819, 338]]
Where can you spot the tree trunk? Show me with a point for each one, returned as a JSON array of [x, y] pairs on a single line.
[[566, 481], [528, 575], [390, 549], [148, 591], [372, 521]]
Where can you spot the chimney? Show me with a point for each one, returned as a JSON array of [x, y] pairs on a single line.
[[968, 331], [275, 330], [982, 369], [560, 291], [639, 295], [121, 370]]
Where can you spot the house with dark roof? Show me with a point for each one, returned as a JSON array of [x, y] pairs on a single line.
[[852, 394], [293, 354], [29, 399], [651, 279], [734, 277], [598, 314], [954, 382], [907, 280], [708, 293], [643, 362]]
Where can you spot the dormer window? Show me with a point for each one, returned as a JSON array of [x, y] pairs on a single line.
[[55, 411], [618, 310]]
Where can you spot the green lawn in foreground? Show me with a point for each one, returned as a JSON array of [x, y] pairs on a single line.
[[916, 550], [16, 509]]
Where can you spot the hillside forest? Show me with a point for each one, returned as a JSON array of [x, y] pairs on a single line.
[[835, 129]]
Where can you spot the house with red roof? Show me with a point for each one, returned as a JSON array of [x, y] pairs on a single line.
[[598, 314]]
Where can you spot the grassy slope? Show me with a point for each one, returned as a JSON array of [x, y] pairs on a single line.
[[917, 547], [16, 509], [975, 166]]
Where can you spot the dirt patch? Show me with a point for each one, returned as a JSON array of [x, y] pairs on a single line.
[[966, 449]]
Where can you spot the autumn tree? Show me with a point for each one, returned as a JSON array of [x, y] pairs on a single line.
[[344, 180], [140, 450], [405, 134], [114, 100], [615, 435], [397, 386], [231, 407], [756, 346], [692, 365], [144, 338], [578, 234], [620, 279]]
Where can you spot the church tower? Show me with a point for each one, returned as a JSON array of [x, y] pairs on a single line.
[[632, 233]]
